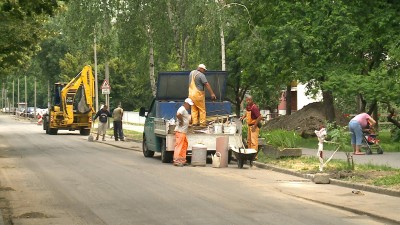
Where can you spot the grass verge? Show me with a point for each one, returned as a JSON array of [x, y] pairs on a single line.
[[134, 135], [381, 176]]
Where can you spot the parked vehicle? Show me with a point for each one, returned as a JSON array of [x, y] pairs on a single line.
[[172, 90], [72, 107]]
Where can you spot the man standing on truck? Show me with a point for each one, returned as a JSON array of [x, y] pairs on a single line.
[[253, 117], [197, 82], [117, 115], [103, 115], [182, 125]]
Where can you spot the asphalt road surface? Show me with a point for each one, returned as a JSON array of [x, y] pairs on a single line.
[[64, 179]]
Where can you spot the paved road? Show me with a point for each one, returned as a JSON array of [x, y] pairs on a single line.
[[65, 179]]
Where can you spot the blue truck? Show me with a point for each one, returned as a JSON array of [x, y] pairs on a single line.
[[172, 90]]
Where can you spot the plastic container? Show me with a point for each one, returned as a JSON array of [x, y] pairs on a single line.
[[230, 129], [199, 155], [217, 128]]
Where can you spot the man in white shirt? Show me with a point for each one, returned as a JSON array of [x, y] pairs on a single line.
[[182, 125]]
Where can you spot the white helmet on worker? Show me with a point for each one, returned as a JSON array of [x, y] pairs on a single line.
[[202, 66], [189, 101]]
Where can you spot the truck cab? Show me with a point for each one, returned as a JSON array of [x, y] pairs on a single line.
[[172, 90]]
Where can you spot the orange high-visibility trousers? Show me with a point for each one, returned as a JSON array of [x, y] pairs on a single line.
[[181, 146], [252, 138]]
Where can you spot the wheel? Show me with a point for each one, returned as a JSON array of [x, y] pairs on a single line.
[[46, 124], [240, 163], [146, 152], [368, 149], [166, 156], [53, 131], [229, 156], [380, 150], [84, 131]]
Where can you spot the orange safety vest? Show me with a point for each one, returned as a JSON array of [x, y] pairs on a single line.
[[194, 93]]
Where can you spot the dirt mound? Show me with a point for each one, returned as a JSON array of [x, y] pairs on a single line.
[[305, 121]]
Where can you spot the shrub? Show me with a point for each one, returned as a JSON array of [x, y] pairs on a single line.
[[282, 138]]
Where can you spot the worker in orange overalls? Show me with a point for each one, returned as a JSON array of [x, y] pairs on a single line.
[[181, 128], [197, 82], [253, 118]]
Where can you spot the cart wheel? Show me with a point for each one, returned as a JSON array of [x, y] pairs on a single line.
[[240, 163], [368, 150], [380, 150]]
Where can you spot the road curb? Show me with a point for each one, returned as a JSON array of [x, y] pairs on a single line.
[[363, 187]]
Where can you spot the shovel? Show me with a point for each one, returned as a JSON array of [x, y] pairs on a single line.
[[91, 138]]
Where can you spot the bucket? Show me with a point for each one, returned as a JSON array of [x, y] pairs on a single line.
[[217, 128], [230, 129], [199, 155], [216, 160]]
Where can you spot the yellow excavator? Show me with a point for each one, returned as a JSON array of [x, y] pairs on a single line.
[[72, 106]]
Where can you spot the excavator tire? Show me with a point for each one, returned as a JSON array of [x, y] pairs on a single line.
[[84, 132], [53, 131]]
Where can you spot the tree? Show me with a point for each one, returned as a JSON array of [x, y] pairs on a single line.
[[22, 31]]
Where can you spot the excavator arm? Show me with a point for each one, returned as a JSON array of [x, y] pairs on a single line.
[[85, 80]]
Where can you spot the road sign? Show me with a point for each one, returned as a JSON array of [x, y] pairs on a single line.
[[105, 91], [105, 88], [105, 85]]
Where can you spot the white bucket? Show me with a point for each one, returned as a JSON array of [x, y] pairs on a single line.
[[217, 128], [199, 155], [230, 129]]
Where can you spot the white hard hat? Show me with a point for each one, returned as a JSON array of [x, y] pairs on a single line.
[[202, 66], [189, 101]]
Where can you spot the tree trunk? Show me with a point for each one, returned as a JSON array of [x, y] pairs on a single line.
[[184, 54], [289, 99], [390, 117], [177, 39], [362, 104], [328, 106], [151, 67], [222, 37]]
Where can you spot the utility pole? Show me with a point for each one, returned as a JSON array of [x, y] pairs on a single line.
[[48, 95], [107, 76], [34, 110], [26, 99], [95, 74], [18, 96], [13, 104]]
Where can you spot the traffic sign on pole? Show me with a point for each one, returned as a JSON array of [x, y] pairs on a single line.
[[105, 85]]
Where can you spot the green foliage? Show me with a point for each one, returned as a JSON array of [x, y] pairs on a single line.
[[22, 30], [339, 135], [282, 138]]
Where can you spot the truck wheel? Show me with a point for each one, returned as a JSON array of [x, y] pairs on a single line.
[[146, 152], [53, 131], [84, 131], [229, 156], [166, 156]]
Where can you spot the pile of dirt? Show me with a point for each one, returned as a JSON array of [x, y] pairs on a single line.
[[305, 121]]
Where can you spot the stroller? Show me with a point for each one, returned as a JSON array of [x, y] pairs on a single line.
[[371, 141]]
